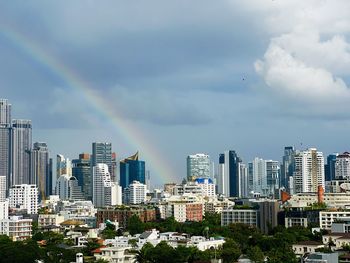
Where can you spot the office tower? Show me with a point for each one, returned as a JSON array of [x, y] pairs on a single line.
[[67, 188], [2, 188], [82, 171], [21, 148], [329, 168], [102, 153], [228, 174], [5, 140], [102, 185], [148, 180], [309, 171], [263, 176], [135, 193], [198, 166], [63, 166], [50, 180], [132, 169], [24, 196], [40, 168], [114, 169], [342, 166], [287, 167]]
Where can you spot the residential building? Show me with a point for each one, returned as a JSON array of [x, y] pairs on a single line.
[[342, 166], [4, 210], [2, 188], [81, 170], [16, 227], [132, 169], [40, 168], [5, 140], [327, 218], [122, 214], [24, 196], [244, 216], [63, 166], [228, 174], [47, 220], [135, 193], [21, 146], [198, 166], [102, 186], [301, 217], [268, 212], [200, 186], [308, 246], [309, 171]]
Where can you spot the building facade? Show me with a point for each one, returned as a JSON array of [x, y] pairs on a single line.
[[81, 170], [132, 169], [309, 171], [5, 140], [198, 166], [24, 196], [342, 166]]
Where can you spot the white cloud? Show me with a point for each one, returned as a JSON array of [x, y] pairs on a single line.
[[305, 65]]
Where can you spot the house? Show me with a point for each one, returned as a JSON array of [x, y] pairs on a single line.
[[306, 247]]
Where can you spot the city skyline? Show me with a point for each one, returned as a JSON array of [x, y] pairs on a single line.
[[174, 79]]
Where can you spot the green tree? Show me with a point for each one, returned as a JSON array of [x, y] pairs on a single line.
[[230, 251], [135, 225], [255, 254]]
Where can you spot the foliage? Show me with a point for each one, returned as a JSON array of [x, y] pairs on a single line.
[[255, 254]]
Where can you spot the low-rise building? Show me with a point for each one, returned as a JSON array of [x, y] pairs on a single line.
[[16, 227], [114, 254], [328, 217], [308, 246], [244, 216], [301, 217], [45, 220]]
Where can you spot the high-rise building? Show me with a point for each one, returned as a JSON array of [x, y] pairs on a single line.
[[40, 168], [82, 171], [243, 187], [50, 180], [309, 171], [24, 196], [263, 176], [228, 174], [5, 139], [287, 167], [342, 166], [2, 188], [102, 186], [63, 166], [21, 148], [67, 188], [132, 169], [102, 153], [329, 168], [135, 193], [198, 166]]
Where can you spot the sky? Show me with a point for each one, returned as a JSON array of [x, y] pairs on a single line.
[[180, 77]]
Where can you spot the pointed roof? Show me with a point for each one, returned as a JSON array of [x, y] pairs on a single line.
[[134, 157]]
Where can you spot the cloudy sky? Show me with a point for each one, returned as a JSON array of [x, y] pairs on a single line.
[[186, 76]]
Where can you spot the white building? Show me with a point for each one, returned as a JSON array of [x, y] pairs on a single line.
[[103, 188], [24, 196], [244, 216], [4, 210], [2, 188], [67, 188], [200, 186], [328, 217], [342, 166], [45, 220], [135, 193], [198, 166], [16, 228], [309, 171], [116, 194]]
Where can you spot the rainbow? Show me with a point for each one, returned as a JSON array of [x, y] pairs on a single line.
[[159, 166]]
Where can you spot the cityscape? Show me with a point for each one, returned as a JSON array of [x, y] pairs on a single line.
[[175, 131]]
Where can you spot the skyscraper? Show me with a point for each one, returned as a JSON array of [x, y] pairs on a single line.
[[263, 176], [40, 168], [5, 139], [21, 149], [82, 171], [63, 166], [309, 171], [102, 153], [329, 168], [132, 169], [104, 190], [198, 166], [287, 167], [228, 174], [342, 166]]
